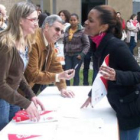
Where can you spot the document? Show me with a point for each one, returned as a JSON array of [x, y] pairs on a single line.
[[45, 116], [21, 137], [99, 87]]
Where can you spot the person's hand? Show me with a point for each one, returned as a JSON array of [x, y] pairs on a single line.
[[33, 112], [37, 103], [67, 75], [79, 57], [67, 93], [87, 102], [108, 73]]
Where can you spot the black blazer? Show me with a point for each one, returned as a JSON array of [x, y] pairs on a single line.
[[123, 94]]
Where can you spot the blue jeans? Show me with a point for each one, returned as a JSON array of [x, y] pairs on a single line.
[[87, 60], [7, 112], [130, 134], [71, 62], [132, 44]]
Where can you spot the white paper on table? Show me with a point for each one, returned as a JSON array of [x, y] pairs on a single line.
[[99, 87], [49, 117], [23, 137], [26, 136], [79, 129], [71, 108]]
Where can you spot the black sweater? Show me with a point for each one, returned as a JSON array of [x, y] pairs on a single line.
[[123, 94]]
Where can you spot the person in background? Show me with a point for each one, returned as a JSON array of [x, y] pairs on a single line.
[[46, 12], [138, 18], [41, 18], [65, 15], [122, 20], [123, 26], [4, 15], [38, 9], [14, 48], [87, 60], [59, 45], [3, 11], [2, 24], [123, 72], [76, 46], [43, 67], [132, 28]]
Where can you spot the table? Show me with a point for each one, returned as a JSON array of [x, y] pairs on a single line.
[[73, 123]]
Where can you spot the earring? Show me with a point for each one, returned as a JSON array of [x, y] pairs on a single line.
[[100, 33]]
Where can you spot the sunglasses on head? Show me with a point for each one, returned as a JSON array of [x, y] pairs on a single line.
[[57, 29]]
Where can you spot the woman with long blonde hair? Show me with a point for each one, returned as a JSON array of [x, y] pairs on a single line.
[[14, 48]]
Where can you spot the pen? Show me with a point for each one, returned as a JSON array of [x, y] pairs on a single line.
[[76, 66]]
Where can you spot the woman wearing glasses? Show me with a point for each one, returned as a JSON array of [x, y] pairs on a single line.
[[14, 48]]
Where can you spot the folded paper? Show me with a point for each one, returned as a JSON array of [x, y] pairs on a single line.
[[45, 116], [21, 137], [99, 87]]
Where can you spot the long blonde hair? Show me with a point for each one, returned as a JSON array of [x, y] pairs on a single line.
[[13, 33]]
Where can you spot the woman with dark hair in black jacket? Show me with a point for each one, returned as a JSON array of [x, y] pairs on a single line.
[[41, 18], [123, 72]]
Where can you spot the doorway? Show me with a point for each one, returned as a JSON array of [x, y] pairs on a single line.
[[87, 5]]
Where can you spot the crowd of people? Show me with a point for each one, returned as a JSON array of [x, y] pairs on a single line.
[[131, 29], [38, 49]]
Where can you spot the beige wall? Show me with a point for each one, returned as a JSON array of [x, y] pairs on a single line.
[[36, 1], [46, 4], [8, 4], [73, 6], [123, 6]]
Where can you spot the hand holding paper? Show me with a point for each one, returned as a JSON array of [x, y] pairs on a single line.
[[108, 73], [99, 87]]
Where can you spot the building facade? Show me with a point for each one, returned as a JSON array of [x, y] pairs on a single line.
[[136, 6], [81, 7]]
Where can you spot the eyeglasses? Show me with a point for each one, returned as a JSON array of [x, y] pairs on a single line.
[[57, 29], [35, 20]]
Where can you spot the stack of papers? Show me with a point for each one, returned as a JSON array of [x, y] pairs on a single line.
[[45, 116]]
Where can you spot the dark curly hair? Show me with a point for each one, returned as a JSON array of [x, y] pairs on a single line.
[[66, 13]]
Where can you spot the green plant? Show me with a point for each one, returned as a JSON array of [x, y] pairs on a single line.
[[81, 77]]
